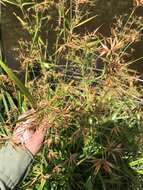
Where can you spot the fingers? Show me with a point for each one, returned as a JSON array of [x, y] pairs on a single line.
[[39, 134], [26, 114], [25, 121], [26, 133], [34, 144], [44, 125]]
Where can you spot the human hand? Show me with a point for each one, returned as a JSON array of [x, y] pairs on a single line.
[[27, 133]]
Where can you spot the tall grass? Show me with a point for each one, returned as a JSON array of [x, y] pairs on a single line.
[[83, 84], [19, 84]]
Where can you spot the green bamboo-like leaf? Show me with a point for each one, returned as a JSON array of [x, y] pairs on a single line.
[[5, 103], [23, 23], [85, 21], [10, 2], [136, 165], [136, 162], [89, 185], [10, 100], [19, 84]]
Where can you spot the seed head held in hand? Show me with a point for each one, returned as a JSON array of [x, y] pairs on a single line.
[[27, 134]]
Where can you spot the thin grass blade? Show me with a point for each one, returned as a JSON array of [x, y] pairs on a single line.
[[19, 84]]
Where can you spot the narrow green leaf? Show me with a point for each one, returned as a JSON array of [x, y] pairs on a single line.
[[43, 181], [136, 162], [85, 21], [23, 23], [10, 100], [19, 84], [10, 2], [5, 103], [89, 185], [1, 118]]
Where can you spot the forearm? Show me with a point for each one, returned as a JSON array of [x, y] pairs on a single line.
[[14, 163]]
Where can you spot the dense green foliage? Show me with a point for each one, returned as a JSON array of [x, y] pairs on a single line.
[[79, 71]]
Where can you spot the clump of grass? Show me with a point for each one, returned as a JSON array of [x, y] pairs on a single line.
[[87, 91]]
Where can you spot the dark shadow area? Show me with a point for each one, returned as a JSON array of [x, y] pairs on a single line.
[[11, 33], [135, 50], [138, 47], [137, 54], [106, 11]]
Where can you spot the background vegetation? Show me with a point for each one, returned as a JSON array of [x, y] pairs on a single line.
[[79, 73]]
